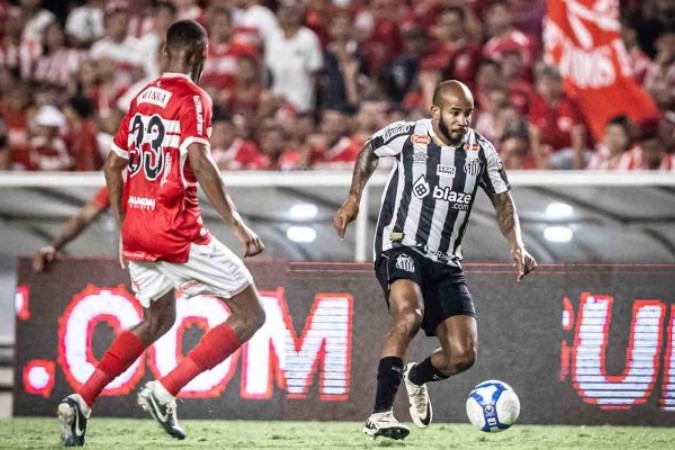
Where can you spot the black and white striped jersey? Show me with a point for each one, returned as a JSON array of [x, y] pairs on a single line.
[[430, 192]]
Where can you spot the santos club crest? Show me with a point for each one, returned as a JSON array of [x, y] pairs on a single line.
[[473, 167]]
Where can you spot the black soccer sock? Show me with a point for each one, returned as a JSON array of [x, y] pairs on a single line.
[[424, 372], [389, 375]]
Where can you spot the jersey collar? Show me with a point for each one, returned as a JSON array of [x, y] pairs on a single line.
[[177, 75]]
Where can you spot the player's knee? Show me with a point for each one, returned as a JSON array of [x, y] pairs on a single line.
[[464, 359], [253, 319], [258, 319], [408, 322]]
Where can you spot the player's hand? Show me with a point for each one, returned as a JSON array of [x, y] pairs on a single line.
[[44, 257], [345, 215], [523, 260], [252, 243], [122, 259]]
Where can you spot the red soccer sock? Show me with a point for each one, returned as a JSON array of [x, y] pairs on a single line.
[[124, 350], [214, 348]]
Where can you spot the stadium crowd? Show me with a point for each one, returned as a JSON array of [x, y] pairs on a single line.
[[303, 84]]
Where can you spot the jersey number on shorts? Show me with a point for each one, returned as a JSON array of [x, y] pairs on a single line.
[[148, 153]]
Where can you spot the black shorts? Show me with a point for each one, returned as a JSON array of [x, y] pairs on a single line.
[[443, 287]]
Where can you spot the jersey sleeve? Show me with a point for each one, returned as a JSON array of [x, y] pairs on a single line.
[[195, 120], [390, 139], [120, 143], [493, 180]]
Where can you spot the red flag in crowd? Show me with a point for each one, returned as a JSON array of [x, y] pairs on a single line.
[[581, 38]]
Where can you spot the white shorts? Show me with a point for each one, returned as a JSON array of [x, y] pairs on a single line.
[[211, 269]]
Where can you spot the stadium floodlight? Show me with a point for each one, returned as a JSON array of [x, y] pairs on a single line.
[[303, 211], [301, 234], [558, 234], [558, 210]]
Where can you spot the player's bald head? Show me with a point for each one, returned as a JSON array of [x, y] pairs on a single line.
[[186, 36], [452, 92]]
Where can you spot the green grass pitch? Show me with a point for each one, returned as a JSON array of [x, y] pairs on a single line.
[[118, 434]]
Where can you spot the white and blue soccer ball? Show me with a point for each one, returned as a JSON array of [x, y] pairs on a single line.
[[492, 406]]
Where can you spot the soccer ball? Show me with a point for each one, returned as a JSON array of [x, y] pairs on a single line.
[[492, 406]]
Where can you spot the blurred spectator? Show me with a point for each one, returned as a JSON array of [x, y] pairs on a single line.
[[345, 68], [651, 152], [515, 148], [5, 154], [230, 151], [37, 19], [655, 18], [494, 113], [141, 15], [451, 51], [57, 62], [659, 79], [47, 148], [273, 146], [188, 10], [377, 28], [119, 47], [527, 14], [221, 65], [637, 59], [254, 23], [16, 53], [332, 147], [245, 98], [516, 76], [503, 36], [372, 117], [293, 57], [667, 131], [164, 14], [616, 142], [399, 77], [558, 133], [85, 23], [17, 111], [82, 138]]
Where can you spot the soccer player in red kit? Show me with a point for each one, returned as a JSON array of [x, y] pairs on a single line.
[[163, 143]]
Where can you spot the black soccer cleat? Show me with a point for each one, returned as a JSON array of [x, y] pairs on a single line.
[[163, 413], [73, 420], [385, 424]]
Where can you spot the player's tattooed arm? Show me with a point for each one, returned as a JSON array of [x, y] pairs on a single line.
[[365, 165], [509, 225]]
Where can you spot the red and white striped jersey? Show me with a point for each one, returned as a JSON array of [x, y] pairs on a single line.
[[163, 216], [19, 57], [57, 68]]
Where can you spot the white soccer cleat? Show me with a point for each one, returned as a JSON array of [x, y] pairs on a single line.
[[385, 424], [73, 414], [163, 412], [418, 400]]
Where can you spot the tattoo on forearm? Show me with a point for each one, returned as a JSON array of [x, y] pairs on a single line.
[[365, 165], [506, 215]]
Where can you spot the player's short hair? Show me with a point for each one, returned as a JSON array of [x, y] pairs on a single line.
[[440, 91], [185, 33]]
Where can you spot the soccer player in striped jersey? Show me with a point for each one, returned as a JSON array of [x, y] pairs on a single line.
[[425, 209]]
